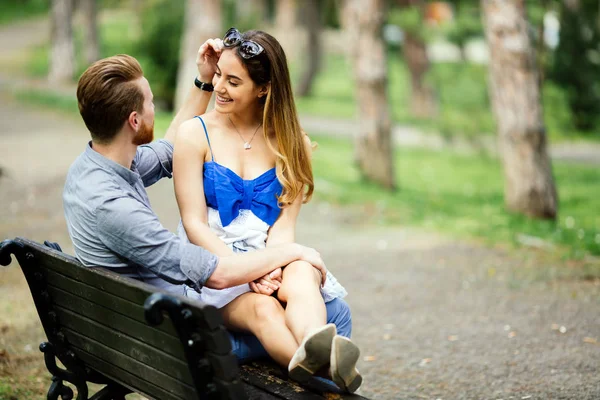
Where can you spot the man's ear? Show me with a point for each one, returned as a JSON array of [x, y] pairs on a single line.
[[134, 121]]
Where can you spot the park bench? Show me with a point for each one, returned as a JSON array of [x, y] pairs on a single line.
[[132, 337]]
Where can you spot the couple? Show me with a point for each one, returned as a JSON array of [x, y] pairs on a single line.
[[241, 173]]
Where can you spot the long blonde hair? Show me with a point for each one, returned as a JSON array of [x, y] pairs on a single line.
[[293, 164]]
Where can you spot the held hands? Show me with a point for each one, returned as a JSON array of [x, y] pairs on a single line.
[[268, 283], [207, 58]]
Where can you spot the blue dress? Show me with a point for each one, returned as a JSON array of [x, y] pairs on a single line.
[[240, 212]]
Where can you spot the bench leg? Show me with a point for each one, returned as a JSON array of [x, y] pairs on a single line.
[[57, 388]]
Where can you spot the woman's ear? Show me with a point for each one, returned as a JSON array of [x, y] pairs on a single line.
[[264, 90]]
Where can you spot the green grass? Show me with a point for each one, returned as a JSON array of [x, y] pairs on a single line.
[[463, 196], [16, 10]]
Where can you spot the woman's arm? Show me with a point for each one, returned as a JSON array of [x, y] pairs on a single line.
[[188, 162]]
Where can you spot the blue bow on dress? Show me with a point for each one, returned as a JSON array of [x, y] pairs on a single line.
[[228, 193]]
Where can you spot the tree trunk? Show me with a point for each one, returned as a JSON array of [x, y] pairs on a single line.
[[202, 22], [286, 27], [90, 22], [363, 21], [515, 94], [422, 97], [312, 21], [62, 53], [251, 12]]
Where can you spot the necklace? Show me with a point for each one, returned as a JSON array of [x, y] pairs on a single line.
[[247, 145]]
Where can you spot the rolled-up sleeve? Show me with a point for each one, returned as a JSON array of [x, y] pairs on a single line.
[[135, 233], [154, 161]]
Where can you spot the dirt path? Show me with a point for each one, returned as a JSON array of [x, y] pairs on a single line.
[[434, 317]]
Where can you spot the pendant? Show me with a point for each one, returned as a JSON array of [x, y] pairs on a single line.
[[247, 146]]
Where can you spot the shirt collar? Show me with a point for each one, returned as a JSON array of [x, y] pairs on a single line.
[[130, 175]]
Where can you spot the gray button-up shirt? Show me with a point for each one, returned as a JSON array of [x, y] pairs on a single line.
[[112, 225]]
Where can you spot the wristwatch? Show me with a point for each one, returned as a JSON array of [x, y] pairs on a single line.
[[207, 87]]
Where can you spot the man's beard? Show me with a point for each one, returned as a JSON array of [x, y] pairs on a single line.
[[145, 135]]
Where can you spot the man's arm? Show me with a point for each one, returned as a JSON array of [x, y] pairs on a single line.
[[134, 232]]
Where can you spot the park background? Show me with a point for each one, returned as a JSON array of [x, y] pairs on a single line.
[[445, 180]]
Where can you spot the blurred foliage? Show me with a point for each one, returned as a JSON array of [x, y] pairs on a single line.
[[465, 109], [410, 19], [159, 45], [466, 24], [577, 63], [11, 10]]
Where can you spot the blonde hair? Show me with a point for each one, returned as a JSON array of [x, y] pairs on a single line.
[[293, 165]]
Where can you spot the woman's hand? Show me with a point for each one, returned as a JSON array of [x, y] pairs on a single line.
[[207, 58], [268, 283]]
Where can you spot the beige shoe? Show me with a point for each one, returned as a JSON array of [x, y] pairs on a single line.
[[344, 356], [313, 354]]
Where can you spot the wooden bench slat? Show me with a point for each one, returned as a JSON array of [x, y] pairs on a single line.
[[113, 358], [126, 345], [125, 378], [265, 379], [105, 316], [108, 300]]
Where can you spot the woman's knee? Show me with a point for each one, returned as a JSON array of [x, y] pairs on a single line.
[[297, 278], [267, 309]]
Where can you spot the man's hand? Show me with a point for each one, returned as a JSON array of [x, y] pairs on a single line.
[[207, 58], [268, 283], [313, 257]]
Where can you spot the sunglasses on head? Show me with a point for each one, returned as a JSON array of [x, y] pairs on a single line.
[[247, 48]]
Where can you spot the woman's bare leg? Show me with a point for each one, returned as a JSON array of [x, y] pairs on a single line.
[[264, 317], [300, 289]]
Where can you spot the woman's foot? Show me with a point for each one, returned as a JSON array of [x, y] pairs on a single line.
[[344, 356], [313, 354]]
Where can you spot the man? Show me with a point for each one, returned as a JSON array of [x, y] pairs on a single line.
[[107, 209]]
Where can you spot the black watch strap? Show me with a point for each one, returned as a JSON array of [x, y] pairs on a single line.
[[207, 87]]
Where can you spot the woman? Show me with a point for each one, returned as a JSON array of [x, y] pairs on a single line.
[[242, 172]]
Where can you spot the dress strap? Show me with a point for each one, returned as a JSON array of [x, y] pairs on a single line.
[[212, 156]]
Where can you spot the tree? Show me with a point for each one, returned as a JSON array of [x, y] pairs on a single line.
[[529, 185], [90, 22], [409, 16], [250, 14], [62, 52], [363, 21], [576, 62], [286, 26], [311, 20], [202, 21]]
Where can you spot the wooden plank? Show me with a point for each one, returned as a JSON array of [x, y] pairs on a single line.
[[255, 393], [114, 303], [105, 316], [267, 379], [113, 358], [267, 376], [131, 347], [111, 282], [125, 378]]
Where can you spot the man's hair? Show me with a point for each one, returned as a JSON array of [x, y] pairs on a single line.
[[107, 94]]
